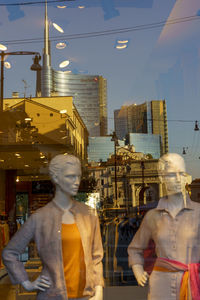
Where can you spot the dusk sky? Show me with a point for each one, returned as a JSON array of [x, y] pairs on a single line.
[[162, 60]]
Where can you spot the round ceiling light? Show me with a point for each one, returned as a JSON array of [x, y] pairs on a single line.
[[7, 65], [61, 45], [64, 64]]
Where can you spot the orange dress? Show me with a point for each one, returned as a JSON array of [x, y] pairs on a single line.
[[73, 261]]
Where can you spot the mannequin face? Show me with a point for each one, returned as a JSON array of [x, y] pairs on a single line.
[[173, 175], [68, 179]]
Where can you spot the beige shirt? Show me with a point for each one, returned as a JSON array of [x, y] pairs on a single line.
[[175, 238]]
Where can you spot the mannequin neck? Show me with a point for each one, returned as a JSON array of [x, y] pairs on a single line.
[[175, 203], [63, 200]]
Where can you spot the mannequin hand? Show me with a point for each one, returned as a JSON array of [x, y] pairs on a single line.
[[140, 275], [98, 293], [41, 283]]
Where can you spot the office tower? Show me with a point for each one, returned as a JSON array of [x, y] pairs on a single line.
[[89, 92], [100, 148], [146, 143], [146, 118], [90, 98]]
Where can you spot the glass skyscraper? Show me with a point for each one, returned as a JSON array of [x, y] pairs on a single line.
[[147, 118]]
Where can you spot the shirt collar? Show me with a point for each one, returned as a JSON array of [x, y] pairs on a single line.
[[163, 204], [72, 209]]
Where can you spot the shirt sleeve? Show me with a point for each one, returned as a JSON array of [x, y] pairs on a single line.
[[14, 248], [97, 254], [139, 242]]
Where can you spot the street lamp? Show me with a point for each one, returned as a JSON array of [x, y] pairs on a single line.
[[115, 140], [34, 67]]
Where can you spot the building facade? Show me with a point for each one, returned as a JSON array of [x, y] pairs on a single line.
[[100, 148], [90, 98], [147, 118], [146, 142]]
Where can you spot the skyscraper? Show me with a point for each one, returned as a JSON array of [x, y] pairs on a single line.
[[149, 117], [89, 91]]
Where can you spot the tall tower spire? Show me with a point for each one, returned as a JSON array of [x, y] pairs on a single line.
[[46, 79], [46, 31]]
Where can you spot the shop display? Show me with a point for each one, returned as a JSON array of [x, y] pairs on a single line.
[[174, 227], [60, 223]]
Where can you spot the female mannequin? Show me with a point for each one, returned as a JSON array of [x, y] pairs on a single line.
[[47, 227], [174, 226]]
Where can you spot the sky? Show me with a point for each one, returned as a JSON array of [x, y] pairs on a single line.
[[162, 60]]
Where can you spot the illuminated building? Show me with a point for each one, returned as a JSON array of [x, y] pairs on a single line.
[[147, 118]]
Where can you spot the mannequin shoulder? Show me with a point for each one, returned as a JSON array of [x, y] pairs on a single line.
[[85, 209], [151, 216]]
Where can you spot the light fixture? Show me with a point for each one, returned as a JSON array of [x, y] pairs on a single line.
[[57, 27], [42, 156], [2, 47], [63, 111], [7, 65], [122, 41], [36, 66], [196, 127], [61, 6], [1, 160], [81, 6], [17, 179], [26, 166], [28, 119], [17, 154], [120, 47], [185, 150], [61, 45], [64, 64]]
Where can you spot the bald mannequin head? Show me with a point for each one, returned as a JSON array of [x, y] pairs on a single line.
[[171, 169]]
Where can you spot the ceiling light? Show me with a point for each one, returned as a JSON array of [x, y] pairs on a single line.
[[1, 160], [7, 65], [64, 64], [28, 119], [121, 47], [57, 27], [17, 154], [63, 111], [122, 41], [61, 45], [3, 48], [61, 6], [26, 166], [81, 6]]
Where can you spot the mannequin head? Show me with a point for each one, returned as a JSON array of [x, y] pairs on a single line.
[[171, 168], [65, 172]]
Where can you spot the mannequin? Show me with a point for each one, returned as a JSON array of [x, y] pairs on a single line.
[[174, 227], [65, 172]]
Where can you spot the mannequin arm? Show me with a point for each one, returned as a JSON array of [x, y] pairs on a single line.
[[41, 283], [98, 293], [140, 275]]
